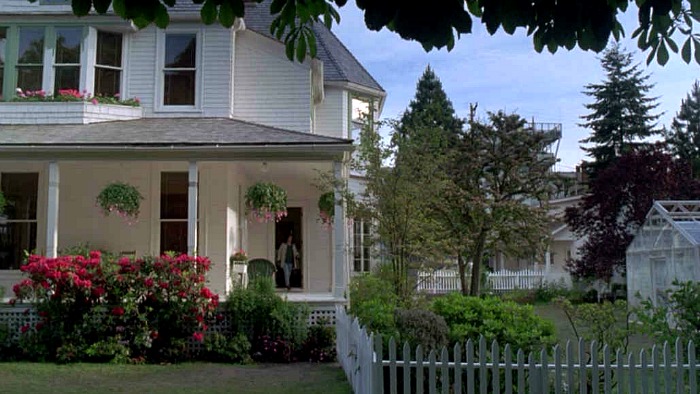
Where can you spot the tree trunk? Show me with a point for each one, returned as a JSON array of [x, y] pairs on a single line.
[[478, 255], [462, 265]]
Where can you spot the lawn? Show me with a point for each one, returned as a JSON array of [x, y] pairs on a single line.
[[181, 378]]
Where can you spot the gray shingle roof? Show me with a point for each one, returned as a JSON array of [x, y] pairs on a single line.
[[161, 132], [339, 64]]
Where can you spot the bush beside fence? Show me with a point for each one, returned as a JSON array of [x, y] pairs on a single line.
[[376, 366]]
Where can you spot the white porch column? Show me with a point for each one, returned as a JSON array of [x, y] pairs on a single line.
[[547, 260], [340, 270], [192, 203], [52, 211]]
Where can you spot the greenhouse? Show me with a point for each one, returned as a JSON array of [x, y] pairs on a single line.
[[665, 248]]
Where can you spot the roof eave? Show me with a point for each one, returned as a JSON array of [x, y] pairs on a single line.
[[205, 152]]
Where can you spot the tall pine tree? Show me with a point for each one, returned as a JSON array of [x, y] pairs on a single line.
[[684, 137], [621, 115], [430, 122]]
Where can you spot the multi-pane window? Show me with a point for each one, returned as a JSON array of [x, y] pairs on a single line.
[[30, 62], [67, 60], [173, 212], [108, 64], [180, 69], [18, 223], [361, 246], [3, 45]]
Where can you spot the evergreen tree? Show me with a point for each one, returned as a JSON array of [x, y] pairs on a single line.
[[430, 121], [684, 138], [621, 113]]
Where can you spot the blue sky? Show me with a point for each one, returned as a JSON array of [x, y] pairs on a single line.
[[504, 72]]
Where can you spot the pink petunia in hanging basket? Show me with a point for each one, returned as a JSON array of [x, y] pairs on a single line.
[[121, 198], [266, 202]]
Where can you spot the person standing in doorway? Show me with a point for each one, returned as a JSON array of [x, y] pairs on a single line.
[[288, 255]]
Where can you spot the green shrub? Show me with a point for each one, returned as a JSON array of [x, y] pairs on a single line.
[[320, 344], [680, 317], [606, 323], [109, 350], [219, 348], [373, 302], [257, 312], [548, 291], [495, 319], [421, 327]]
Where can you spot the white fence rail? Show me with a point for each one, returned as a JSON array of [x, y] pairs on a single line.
[[572, 369], [446, 281]]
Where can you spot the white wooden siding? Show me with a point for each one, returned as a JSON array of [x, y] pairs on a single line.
[[332, 113], [268, 88], [216, 70]]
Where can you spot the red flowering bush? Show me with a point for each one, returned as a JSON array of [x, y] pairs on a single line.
[[151, 307]]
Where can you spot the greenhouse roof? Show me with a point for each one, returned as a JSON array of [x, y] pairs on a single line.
[[683, 215]]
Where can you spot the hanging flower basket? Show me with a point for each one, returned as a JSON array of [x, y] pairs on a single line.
[[121, 198], [266, 202], [326, 207]]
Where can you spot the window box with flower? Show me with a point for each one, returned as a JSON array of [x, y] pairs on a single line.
[[68, 106], [266, 202], [238, 268]]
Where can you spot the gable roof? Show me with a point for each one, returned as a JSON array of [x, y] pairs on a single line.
[[156, 132], [681, 216], [339, 64]]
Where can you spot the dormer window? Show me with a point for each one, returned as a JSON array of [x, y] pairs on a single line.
[[67, 58], [30, 61], [108, 64], [180, 69]]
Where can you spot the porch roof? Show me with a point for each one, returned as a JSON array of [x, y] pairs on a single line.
[[161, 132]]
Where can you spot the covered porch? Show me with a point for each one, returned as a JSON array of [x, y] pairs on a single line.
[[194, 201]]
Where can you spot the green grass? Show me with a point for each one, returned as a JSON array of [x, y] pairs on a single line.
[[182, 378]]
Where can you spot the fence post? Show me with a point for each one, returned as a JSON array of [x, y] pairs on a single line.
[[457, 351], [508, 361], [470, 367], [667, 367], [432, 379], [393, 377], [680, 371], [483, 383], [655, 364], [521, 371], [557, 369], [406, 368], [570, 367], [445, 371], [419, 369], [607, 386], [692, 370], [644, 372], [495, 360], [378, 358], [633, 371], [583, 374]]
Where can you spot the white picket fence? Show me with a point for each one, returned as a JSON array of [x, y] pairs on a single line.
[[446, 280], [472, 367]]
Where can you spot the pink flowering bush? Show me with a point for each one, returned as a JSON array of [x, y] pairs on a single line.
[[145, 309], [67, 95]]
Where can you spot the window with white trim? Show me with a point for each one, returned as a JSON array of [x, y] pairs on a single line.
[[30, 59], [18, 224], [180, 69], [362, 246], [108, 64], [67, 58]]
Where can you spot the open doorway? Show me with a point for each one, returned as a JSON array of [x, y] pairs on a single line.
[[291, 224]]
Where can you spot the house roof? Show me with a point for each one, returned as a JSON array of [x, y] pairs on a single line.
[[684, 216], [339, 64], [155, 132]]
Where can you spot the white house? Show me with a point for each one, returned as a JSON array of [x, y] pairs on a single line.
[[665, 248], [221, 109]]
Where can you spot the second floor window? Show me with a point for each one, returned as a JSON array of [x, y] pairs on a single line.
[[67, 60], [30, 62], [108, 64], [180, 69]]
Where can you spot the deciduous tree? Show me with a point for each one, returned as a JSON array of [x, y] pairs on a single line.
[[551, 24], [619, 199]]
